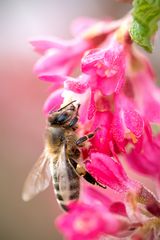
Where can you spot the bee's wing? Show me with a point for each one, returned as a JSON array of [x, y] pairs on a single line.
[[64, 175], [38, 179]]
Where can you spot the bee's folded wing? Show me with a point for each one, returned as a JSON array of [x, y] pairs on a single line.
[[62, 174], [66, 177], [38, 179]]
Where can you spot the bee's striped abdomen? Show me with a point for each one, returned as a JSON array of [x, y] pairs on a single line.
[[70, 190], [65, 181]]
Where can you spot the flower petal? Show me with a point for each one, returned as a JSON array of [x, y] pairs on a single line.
[[77, 85], [102, 138], [108, 65], [134, 122], [41, 45], [118, 208], [108, 172], [59, 79], [80, 224], [146, 93], [81, 24], [92, 195], [92, 106], [54, 63], [147, 160], [92, 61], [53, 101]]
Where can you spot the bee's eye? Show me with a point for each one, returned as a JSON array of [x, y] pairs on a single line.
[[62, 118], [59, 119]]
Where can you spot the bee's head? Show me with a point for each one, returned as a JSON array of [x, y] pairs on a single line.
[[62, 116]]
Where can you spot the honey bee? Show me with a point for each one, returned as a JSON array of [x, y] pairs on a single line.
[[60, 160]]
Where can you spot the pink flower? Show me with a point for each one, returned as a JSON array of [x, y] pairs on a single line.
[[81, 85], [83, 225], [60, 57], [147, 160], [109, 172], [118, 101], [82, 24], [106, 67], [55, 99], [115, 129], [102, 139], [97, 216], [86, 221], [127, 123], [78, 85], [145, 92]]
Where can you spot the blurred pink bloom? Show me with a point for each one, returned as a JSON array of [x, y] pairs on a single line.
[[146, 93], [43, 44], [147, 160], [82, 24], [86, 221], [60, 57], [97, 216], [84, 226]]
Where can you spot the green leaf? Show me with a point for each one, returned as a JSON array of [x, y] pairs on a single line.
[[146, 14]]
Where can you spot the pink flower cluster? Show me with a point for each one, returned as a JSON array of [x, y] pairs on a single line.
[[115, 85]]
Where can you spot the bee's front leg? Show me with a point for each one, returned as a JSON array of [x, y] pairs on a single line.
[[81, 140]]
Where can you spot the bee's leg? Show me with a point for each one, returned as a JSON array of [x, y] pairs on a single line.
[[88, 177], [85, 138], [80, 170]]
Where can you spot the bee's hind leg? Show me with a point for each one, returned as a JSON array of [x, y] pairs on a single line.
[[80, 170], [88, 177]]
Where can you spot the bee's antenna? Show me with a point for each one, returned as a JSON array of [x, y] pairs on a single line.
[[66, 105]]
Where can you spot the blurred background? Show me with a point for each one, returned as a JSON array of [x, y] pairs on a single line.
[[21, 100]]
